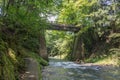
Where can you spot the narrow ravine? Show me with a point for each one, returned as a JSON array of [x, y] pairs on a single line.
[[64, 70]]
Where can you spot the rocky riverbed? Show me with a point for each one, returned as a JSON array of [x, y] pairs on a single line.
[[64, 70]]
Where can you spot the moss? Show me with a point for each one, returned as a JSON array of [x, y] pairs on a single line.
[[39, 71], [38, 58]]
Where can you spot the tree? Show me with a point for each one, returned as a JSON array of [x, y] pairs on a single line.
[[20, 25], [97, 18]]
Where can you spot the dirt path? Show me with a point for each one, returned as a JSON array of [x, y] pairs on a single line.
[[31, 72]]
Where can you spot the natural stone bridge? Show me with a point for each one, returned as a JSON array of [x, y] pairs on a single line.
[[60, 27]]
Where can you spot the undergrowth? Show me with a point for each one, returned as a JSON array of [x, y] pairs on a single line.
[[108, 53], [12, 64]]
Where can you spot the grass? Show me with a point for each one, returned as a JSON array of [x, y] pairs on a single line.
[[108, 61], [112, 59]]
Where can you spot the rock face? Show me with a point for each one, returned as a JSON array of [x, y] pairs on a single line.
[[42, 46], [32, 71]]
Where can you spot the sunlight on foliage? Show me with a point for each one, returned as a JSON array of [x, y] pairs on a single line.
[[59, 43], [12, 54], [8, 69]]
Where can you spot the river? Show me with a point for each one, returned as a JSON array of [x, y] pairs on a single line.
[[65, 70]]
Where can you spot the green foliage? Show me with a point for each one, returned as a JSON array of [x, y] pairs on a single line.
[[22, 20], [8, 69], [97, 19], [111, 59], [20, 25], [59, 43], [76, 12], [8, 65]]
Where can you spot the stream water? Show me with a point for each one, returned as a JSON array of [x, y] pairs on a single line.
[[64, 70]]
